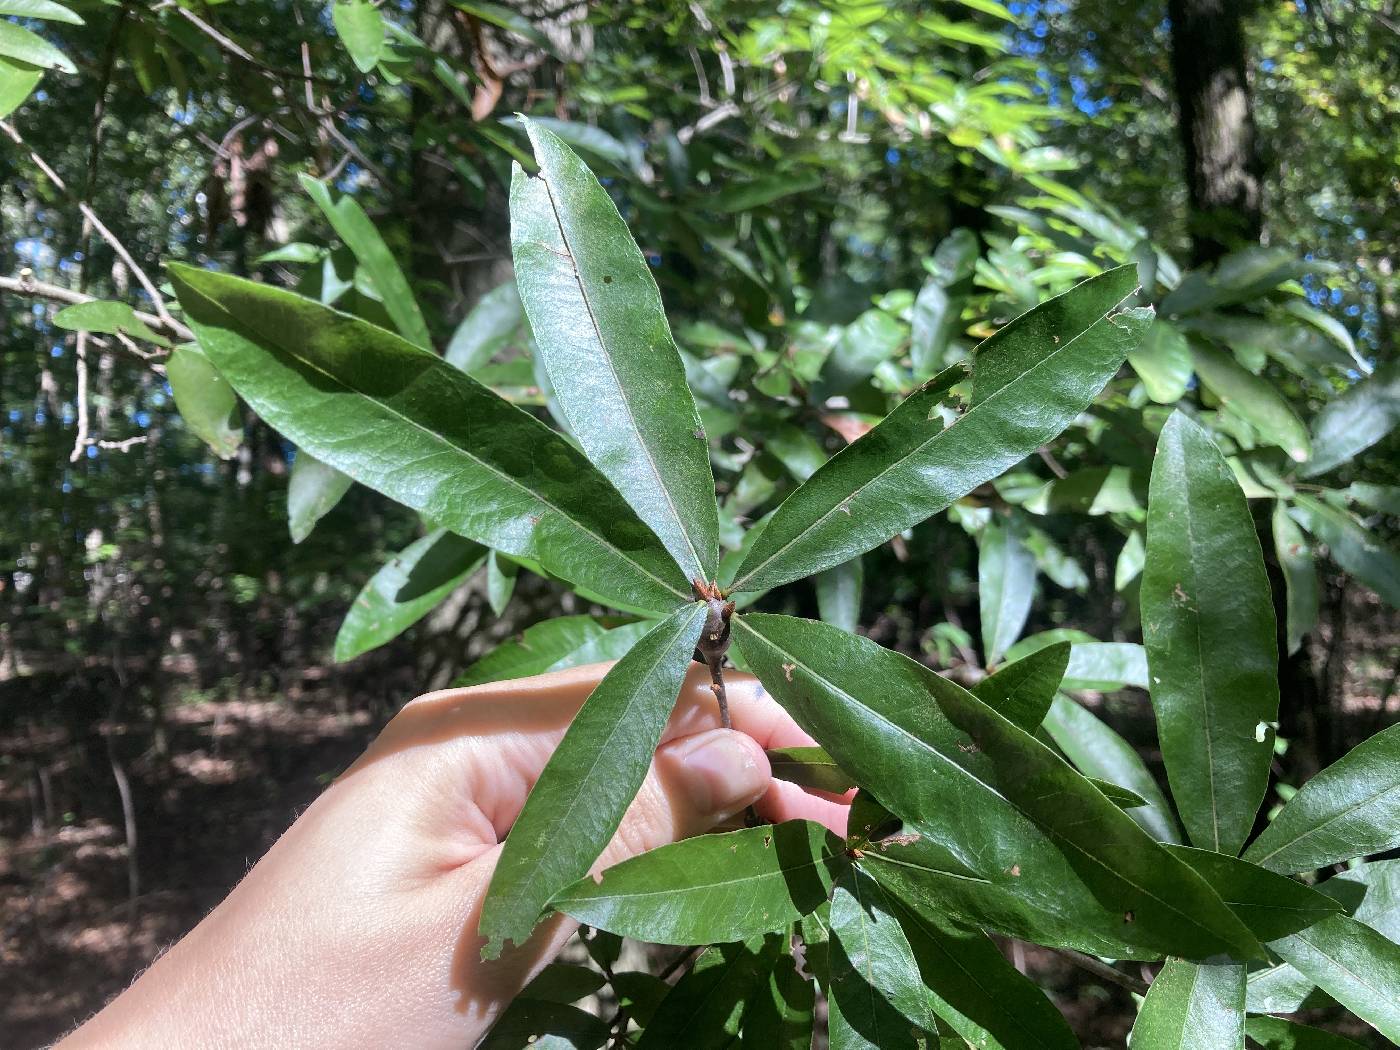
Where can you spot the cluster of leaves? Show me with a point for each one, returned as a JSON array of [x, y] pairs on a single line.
[[1007, 808]]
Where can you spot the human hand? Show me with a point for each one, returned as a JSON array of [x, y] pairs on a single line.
[[359, 927]]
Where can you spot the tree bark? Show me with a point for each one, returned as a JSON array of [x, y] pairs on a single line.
[[1216, 122]]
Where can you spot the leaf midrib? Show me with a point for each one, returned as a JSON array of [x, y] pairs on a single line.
[[674, 891], [452, 445], [1340, 814], [992, 398]]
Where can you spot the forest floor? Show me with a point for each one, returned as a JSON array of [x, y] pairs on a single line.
[[235, 773]]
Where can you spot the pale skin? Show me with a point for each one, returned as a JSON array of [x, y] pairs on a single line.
[[359, 927]]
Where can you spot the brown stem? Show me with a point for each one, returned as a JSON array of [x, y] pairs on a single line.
[[1100, 968], [716, 666]]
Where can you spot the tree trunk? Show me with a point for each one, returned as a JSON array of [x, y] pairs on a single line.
[[1216, 122]]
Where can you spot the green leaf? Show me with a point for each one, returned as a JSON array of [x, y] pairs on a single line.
[[723, 887], [869, 340], [108, 317], [703, 1009], [1005, 586], [909, 466], [1370, 893], [1208, 625], [493, 324], [779, 1016], [1281, 990], [1350, 809], [563, 983], [996, 824], [934, 323], [538, 1024], [17, 81], [982, 996], [838, 594], [1119, 796], [206, 401], [809, 767], [313, 490], [876, 991], [1352, 963], [20, 44], [354, 227], [500, 581], [601, 331], [1254, 399], [1271, 905], [1022, 691], [1163, 362], [1354, 547], [45, 10], [1100, 752], [1384, 498], [1352, 423], [293, 252], [1276, 1033], [410, 585], [585, 788], [747, 194], [402, 421], [1190, 1007], [548, 646], [1299, 576], [361, 29], [1106, 666]]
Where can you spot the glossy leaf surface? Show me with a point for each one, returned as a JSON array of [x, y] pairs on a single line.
[[1163, 363], [489, 328], [1005, 587], [1352, 963], [1358, 550], [1300, 580], [1022, 691], [1276, 1033], [586, 786], [810, 767], [1028, 389], [405, 423], [704, 1008], [602, 334], [313, 490], [713, 888], [1355, 421], [839, 592], [1271, 905], [1253, 399], [205, 399], [1350, 809], [1191, 1006], [1208, 625]]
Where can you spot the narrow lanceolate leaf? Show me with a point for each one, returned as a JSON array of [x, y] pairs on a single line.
[[493, 324], [1022, 691], [779, 1014], [547, 1025], [1098, 751], [1254, 399], [206, 402], [1271, 905], [410, 585], [1370, 893], [1030, 381], [810, 767], [357, 231], [1357, 549], [17, 80], [553, 645], [714, 888], [997, 826], [1163, 363], [361, 30], [601, 331], [501, 574], [1352, 963], [1299, 576], [1276, 1033], [1208, 624], [1355, 421], [877, 996], [20, 44], [46, 10], [591, 778], [313, 490], [838, 594], [704, 1008], [1350, 809], [402, 421], [973, 988], [1191, 1006], [1005, 587]]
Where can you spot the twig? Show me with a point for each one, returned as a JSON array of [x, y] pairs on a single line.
[[1100, 968], [1048, 458], [124, 445], [26, 285], [239, 51], [80, 440]]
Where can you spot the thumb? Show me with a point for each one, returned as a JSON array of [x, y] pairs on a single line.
[[694, 783]]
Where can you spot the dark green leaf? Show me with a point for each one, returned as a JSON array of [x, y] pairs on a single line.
[[602, 334], [500, 581], [107, 317], [1352, 963], [1350, 809], [1098, 751], [313, 490], [1190, 1007], [1254, 399], [910, 466], [45, 10], [838, 594], [779, 1016], [640, 994], [206, 402], [869, 340], [1282, 990], [811, 767], [1276, 1033], [934, 323], [703, 1010], [1370, 893], [361, 31], [1271, 905], [877, 996], [1299, 576], [1352, 423], [410, 585], [747, 194], [1208, 625], [996, 824], [537, 1024], [1163, 363], [21, 45], [563, 983], [1005, 586], [1022, 691], [1119, 796], [585, 788], [534, 652], [357, 231], [721, 887], [404, 422], [1357, 549], [493, 324]]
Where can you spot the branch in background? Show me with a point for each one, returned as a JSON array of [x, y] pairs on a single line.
[[80, 439], [26, 285], [239, 51], [1099, 968]]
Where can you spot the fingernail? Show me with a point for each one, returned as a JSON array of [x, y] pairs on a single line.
[[726, 771]]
